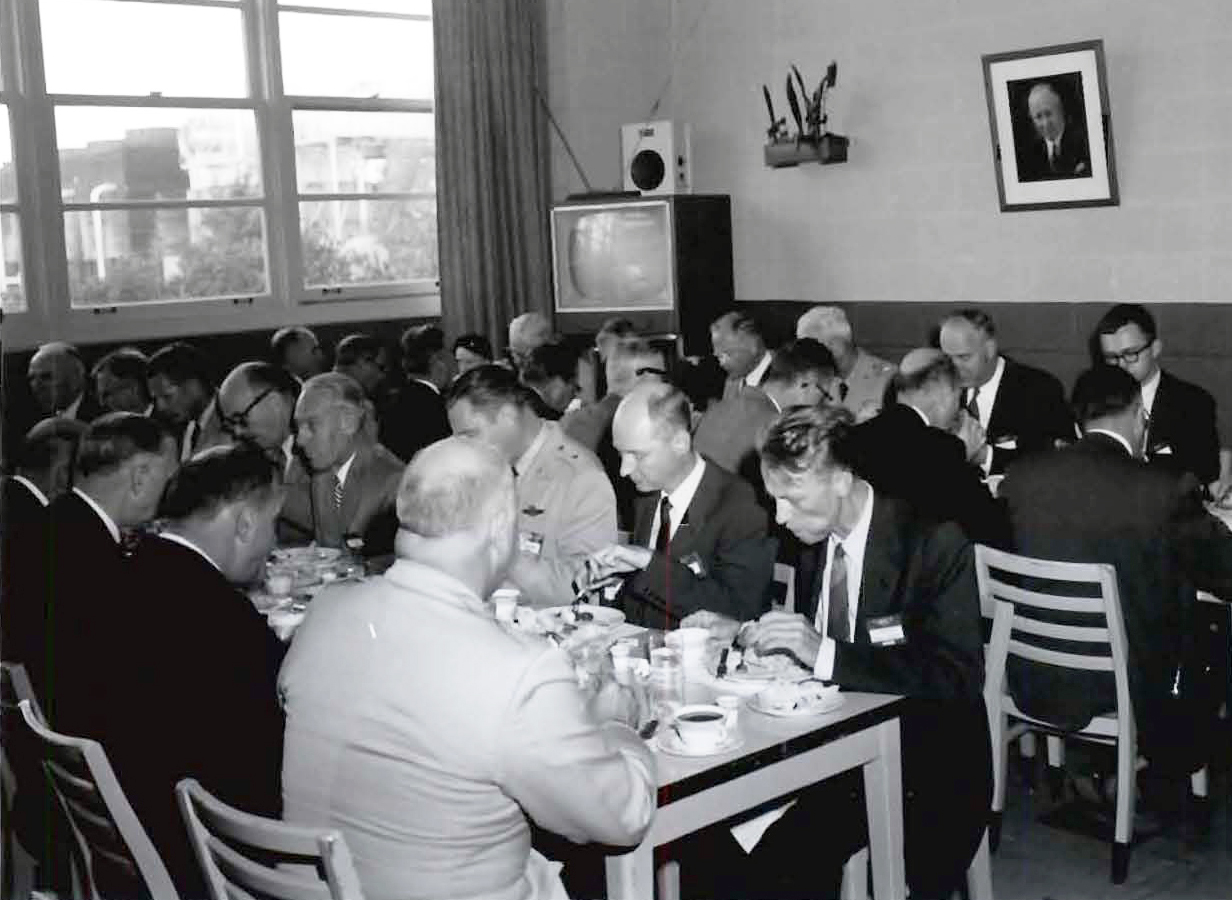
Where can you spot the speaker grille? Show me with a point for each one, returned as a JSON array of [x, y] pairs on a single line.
[[647, 170]]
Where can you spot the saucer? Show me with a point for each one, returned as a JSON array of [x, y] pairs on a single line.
[[669, 742], [829, 702]]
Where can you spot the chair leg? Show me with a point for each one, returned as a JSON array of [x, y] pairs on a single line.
[[855, 876], [979, 873], [1000, 762], [1120, 862], [1056, 771], [993, 837], [1127, 791]]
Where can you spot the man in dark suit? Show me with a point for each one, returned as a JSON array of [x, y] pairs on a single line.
[[1098, 502], [915, 450], [57, 379], [256, 405], [201, 703], [887, 603], [415, 417], [296, 350], [740, 348], [181, 383], [551, 373], [1181, 433], [341, 487], [1021, 409], [1060, 148], [700, 538]]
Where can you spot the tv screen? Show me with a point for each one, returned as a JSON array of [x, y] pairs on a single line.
[[613, 257]]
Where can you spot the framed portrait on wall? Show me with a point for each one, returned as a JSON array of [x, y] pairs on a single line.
[[1051, 129]]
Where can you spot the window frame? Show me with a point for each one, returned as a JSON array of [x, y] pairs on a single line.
[[49, 314]]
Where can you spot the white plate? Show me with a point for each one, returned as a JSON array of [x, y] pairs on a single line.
[[602, 615], [669, 742], [827, 703]]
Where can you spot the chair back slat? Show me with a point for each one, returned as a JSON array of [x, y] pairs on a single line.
[[107, 830], [1041, 600], [1060, 658], [1072, 633], [222, 836]]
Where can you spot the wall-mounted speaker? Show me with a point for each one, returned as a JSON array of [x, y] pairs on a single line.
[[656, 157]]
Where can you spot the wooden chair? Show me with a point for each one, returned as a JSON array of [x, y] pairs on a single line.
[[979, 875], [106, 832], [295, 863], [1107, 648], [17, 867]]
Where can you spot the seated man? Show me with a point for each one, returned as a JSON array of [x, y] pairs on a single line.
[[428, 734], [1098, 502], [526, 332], [862, 377], [740, 348], [182, 384], [551, 373], [120, 381], [415, 417], [365, 359], [1021, 409], [296, 350], [700, 538], [887, 603], [57, 379], [918, 449], [1181, 432], [201, 702], [256, 404], [566, 508], [342, 487]]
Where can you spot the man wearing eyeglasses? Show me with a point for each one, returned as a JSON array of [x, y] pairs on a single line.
[[256, 404], [1181, 431]]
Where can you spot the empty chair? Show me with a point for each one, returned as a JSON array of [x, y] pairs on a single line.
[[112, 854], [242, 853]]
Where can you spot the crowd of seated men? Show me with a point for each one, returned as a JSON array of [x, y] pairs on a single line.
[[469, 471]]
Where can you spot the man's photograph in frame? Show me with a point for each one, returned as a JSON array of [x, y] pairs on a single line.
[[1050, 139]]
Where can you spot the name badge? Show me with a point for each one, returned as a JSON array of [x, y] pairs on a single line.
[[1165, 450], [886, 631], [694, 564], [530, 543], [1006, 443]]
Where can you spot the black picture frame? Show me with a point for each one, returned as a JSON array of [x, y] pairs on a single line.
[[1051, 127]]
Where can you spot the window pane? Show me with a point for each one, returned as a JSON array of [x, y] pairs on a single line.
[[368, 241], [12, 293], [361, 152], [133, 256], [8, 177], [407, 7], [111, 47], [341, 56], [136, 153]]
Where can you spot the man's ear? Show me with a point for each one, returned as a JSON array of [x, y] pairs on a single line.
[[245, 523]]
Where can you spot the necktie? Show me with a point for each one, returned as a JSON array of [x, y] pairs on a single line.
[[973, 406], [843, 388], [664, 537], [1052, 156], [337, 492], [837, 617]]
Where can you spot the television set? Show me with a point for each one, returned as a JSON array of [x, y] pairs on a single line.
[[665, 263]]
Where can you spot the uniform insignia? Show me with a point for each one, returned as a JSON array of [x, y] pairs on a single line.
[[533, 511]]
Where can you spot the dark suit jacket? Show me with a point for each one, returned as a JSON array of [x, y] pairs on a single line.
[[542, 409], [1182, 436], [412, 419], [201, 701], [1073, 159], [923, 573], [23, 524], [1093, 503], [723, 535], [901, 456], [1030, 408], [369, 496], [591, 426]]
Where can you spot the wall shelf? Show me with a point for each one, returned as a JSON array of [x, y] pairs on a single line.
[[829, 148]]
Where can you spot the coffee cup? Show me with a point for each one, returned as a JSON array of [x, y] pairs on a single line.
[[701, 726]]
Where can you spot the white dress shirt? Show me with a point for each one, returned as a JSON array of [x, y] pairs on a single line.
[[70, 411], [112, 527], [854, 545], [986, 398], [679, 499], [753, 379], [1149, 389], [344, 470]]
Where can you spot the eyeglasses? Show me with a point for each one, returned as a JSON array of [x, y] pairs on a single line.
[[239, 421], [650, 370], [1129, 357]]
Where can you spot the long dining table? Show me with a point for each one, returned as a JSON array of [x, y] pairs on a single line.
[[779, 756]]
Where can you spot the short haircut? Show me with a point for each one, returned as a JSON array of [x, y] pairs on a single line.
[[419, 344], [286, 338], [555, 359], [126, 363], [339, 388], [808, 438], [798, 358], [530, 323], [1040, 86], [981, 320], [821, 322], [356, 348], [1103, 391], [113, 439], [669, 408], [617, 327], [180, 363], [437, 500], [628, 357], [263, 376], [475, 343], [218, 477], [739, 322], [938, 368], [38, 450], [1127, 314], [487, 388]]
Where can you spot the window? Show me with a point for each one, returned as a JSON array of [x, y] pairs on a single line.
[[208, 163]]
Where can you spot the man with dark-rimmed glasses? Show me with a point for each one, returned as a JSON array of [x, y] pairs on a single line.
[[256, 404], [1182, 433]]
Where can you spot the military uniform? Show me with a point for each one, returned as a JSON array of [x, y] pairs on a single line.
[[566, 511], [866, 384]]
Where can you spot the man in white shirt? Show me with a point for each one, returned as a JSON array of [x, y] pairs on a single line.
[[741, 351]]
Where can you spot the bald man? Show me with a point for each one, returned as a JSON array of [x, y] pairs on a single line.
[[256, 405], [452, 733], [700, 539], [1059, 148], [57, 379]]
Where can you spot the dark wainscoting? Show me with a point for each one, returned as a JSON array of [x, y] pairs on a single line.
[[1197, 337]]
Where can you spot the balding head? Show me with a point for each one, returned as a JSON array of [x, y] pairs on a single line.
[[56, 376], [457, 509], [1046, 110], [256, 404], [526, 332], [928, 380], [651, 433], [829, 326]]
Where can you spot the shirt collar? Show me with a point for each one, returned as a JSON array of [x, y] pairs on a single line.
[[32, 488], [753, 379], [345, 469], [70, 411], [683, 495], [112, 528], [435, 389], [1149, 389], [426, 580], [522, 466], [1119, 438], [987, 392], [185, 542], [919, 412]]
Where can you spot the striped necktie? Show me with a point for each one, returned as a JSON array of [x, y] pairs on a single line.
[[337, 492]]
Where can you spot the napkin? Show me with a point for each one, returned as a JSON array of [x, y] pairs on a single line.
[[747, 834]]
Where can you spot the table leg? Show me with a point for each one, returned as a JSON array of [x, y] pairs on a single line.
[[668, 879], [883, 797], [630, 876]]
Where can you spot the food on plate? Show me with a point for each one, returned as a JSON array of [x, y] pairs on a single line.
[[750, 664], [785, 696]]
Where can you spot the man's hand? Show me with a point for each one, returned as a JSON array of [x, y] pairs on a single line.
[[722, 627], [1221, 492], [784, 632], [614, 559], [971, 433], [616, 702]]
